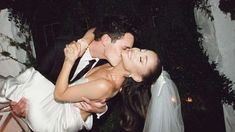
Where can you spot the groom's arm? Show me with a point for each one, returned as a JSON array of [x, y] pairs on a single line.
[[98, 107], [51, 63]]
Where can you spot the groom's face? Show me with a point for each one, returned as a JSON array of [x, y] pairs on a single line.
[[113, 51]]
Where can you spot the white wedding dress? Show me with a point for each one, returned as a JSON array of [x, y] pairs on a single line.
[[44, 113]]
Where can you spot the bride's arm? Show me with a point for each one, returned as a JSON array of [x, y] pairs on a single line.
[[75, 93], [86, 40], [93, 90]]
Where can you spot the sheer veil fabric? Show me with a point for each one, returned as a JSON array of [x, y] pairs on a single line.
[[164, 112]]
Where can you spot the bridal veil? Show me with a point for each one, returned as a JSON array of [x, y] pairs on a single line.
[[164, 111]]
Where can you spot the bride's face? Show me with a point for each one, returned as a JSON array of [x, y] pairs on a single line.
[[139, 62]]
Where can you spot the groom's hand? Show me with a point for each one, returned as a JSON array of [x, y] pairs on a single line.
[[92, 106], [19, 108]]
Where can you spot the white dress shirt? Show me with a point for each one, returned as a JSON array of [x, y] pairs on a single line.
[[83, 62]]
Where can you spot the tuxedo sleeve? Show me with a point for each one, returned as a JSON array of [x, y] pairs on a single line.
[[52, 62]]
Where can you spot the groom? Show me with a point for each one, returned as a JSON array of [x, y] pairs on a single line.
[[111, 37]]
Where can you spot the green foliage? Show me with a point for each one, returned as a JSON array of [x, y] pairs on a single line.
[[19, 19], [5, 53], [23, 33], [204, 6], [180, 49]]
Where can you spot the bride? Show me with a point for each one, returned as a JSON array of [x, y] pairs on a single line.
[[50, 107]]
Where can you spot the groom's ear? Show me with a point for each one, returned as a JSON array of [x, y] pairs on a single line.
[[105, 39]]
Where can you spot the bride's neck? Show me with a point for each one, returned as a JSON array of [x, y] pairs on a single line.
[[117, 74], [119, 70]]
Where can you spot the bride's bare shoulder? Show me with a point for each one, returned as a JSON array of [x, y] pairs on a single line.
[[105, 87], [97, 69]]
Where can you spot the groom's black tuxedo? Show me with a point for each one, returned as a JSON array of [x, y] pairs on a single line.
[[53, 60]]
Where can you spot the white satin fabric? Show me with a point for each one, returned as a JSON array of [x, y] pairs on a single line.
[[44, 113], [164, 112]]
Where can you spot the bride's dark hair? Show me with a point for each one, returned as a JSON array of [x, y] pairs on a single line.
[[135, 100]]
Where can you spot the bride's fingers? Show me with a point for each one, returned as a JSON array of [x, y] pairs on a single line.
[[73, 48], [78, 47], [68, 49]]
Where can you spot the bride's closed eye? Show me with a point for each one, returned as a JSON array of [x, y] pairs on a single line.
[[141, 59]]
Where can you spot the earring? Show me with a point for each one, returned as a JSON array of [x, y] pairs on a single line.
[[120, 90]]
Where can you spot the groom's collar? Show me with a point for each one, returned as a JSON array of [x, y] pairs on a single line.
[[87, 56]]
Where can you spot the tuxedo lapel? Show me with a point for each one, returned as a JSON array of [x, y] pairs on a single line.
[[74, 68]]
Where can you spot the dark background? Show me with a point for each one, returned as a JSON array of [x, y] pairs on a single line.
[[166, 26]]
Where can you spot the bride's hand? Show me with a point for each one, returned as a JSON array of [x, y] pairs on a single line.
[[72, 52]]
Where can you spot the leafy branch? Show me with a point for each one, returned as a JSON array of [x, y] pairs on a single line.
[[204, 6], [24, 46]]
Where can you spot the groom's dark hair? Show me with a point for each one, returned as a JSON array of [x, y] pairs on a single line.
[[114, 26]]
